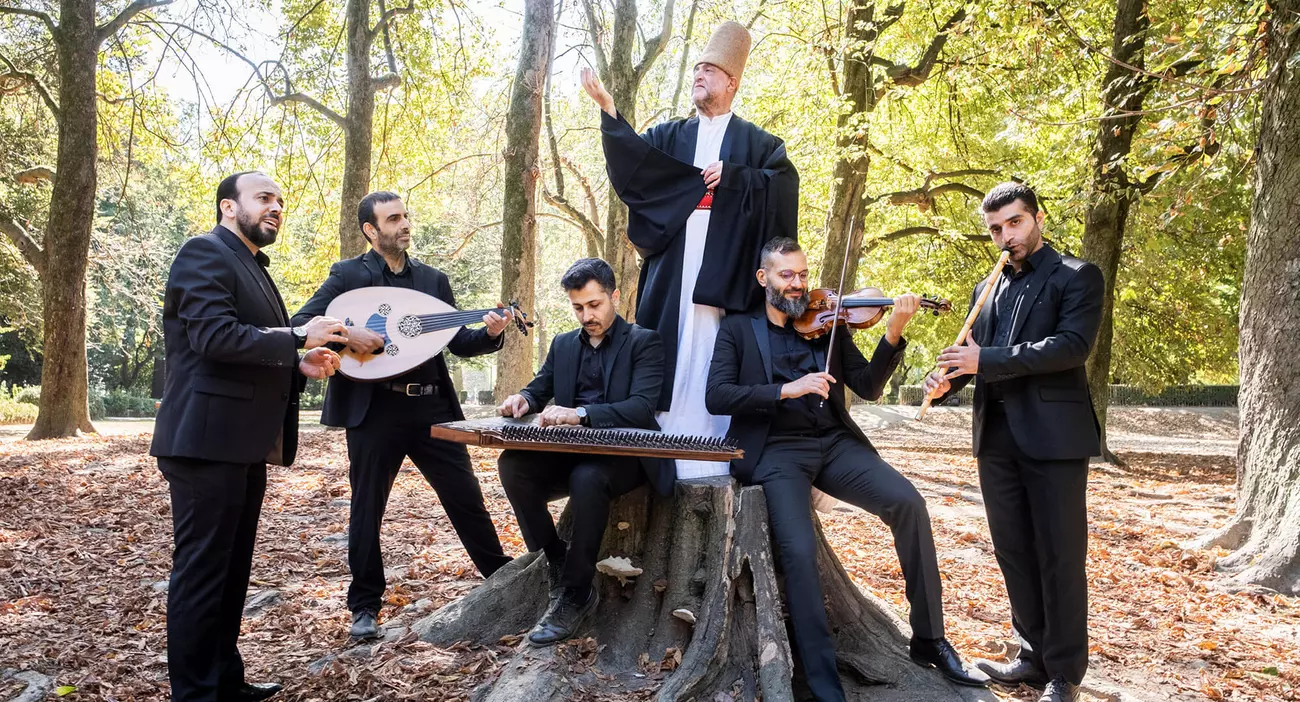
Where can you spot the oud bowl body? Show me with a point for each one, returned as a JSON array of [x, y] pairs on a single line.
[[393, 313]]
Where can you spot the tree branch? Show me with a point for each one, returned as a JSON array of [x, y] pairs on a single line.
[[912, 76], [108, 29], [595, 237], [289, 96], [871, 244], [385, 18], [27, 246], [32, 80], [655, 45], [602, 63], [49, 21]]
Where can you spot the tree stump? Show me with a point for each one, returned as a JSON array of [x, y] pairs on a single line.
[[705, 555]]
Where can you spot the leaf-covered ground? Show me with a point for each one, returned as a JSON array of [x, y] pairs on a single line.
[[85, 550]]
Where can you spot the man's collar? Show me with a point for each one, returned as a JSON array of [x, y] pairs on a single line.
[[711, 121], [236, 243], [1032, 263], [379, 260]]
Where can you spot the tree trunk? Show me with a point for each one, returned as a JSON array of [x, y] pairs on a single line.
[[1123, 91], [522, 170], [1266, 529], [64, 383], [701, 622], [623, 84], [853, 161], [358, 132]]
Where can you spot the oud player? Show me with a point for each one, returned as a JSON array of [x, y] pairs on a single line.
[[388, 421], [606, 374]]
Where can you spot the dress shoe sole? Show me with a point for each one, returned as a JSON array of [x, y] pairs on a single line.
[[1030, 682], [958, 681]]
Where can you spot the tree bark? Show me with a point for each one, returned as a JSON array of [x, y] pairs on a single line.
[[358, 130], [1123, 91], [64, 407], [705, 555], [522, 171], [1266, 529]]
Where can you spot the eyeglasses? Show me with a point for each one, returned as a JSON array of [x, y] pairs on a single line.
[[789, 276]]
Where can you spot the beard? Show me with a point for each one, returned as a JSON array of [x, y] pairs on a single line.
[[254, 231], [792, 307]]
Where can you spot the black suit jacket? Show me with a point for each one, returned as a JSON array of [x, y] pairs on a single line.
[[232, 379], [1041, 375], [346, 400], [634, 368], [740, 381]]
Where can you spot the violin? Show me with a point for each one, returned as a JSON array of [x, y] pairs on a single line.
[[858, 310]]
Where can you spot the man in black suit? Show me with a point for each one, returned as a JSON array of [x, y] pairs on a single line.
[[798, 435], [606, 374], [1034, 430], [389, 421], [230, 406]]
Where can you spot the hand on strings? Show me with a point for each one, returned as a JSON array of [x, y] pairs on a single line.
[[712, 174], [325, 330], [363, 341], [515, 406], [556, 415], [811, 384], [961, 360], [319, 363], [936, 384], [905, 306], [596, 90], [497, 323]]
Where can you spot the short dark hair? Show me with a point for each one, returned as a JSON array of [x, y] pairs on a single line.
[[585, 270], [778, 245], [1004, 194], [228, 189], [366, 210]]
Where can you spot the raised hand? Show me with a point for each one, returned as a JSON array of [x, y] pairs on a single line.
[[961, 360], [591, 83], [497, 321]]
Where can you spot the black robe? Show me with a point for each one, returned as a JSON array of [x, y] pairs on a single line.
[[756, 199]]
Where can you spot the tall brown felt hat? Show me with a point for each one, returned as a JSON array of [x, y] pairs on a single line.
[[728, 48]]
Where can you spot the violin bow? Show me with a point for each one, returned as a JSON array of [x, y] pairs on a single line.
[[970, 319], [844, 267]]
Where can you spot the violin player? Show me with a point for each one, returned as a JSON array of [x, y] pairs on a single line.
[[389, 421], [797, 434]]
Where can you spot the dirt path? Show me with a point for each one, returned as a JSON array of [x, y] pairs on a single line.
[[85, 549]]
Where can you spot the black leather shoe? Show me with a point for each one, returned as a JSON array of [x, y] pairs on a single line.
[[564, 617], [1017, 672], [1058, 690], [255, 692], [938, 653], [365, 625]]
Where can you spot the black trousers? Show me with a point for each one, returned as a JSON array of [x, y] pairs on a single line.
[[842, 467], [533, 478], [1038, 518], [376, 450], [215, 508]]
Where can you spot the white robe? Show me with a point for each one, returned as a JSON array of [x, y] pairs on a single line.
[[697, 326]]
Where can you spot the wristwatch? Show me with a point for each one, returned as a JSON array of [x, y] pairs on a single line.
[[583, 419], [299, 337]]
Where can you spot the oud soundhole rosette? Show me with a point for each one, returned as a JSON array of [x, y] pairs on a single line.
[[391, 349], [385, 309], [409, 326]]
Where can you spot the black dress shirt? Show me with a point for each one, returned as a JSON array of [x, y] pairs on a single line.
[[1008, 296], [590, 388], [424, 374], [793, 357]]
